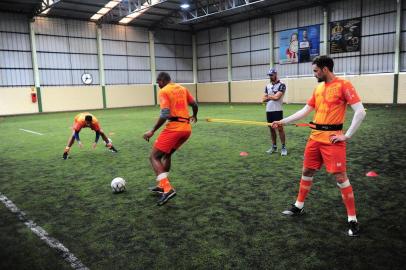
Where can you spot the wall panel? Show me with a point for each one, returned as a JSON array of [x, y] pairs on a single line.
[[16, 100], [15, 51], [173, 54], [56, 99], [212, 92], [129, 95]]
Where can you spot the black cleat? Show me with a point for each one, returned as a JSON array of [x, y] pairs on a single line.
[[65, 156], [156, 190], [353, 229], [293, 211], [112, 149], [166, 197]]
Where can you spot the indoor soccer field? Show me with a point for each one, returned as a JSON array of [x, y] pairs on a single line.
[[227, 214]]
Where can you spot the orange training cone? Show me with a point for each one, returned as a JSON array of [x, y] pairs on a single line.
[[243, 154], [371, 174]]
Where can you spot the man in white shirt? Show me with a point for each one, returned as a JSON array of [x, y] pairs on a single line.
[[273, 97]]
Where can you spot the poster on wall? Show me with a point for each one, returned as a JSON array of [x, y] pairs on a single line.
[[309, 43], [299, 45], [345, 36], [288, 47]]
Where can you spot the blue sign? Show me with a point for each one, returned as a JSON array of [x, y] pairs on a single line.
[[309, 43], [299, 45]]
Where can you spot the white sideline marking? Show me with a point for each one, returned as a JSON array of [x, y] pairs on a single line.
[[43, 235], [30, 131]]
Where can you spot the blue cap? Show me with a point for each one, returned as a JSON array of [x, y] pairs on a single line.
[[272, 71]]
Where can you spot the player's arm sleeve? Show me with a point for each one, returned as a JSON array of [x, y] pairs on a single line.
[[298, 115], [359, 115], [164, 104], [165, 113], [76, 135], [97, 136]]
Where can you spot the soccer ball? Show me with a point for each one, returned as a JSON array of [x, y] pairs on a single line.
[[118, 185]]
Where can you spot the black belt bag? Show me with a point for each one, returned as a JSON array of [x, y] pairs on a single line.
[[326, 127], [178, 119]]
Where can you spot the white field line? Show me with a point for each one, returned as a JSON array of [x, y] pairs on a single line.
[[30, 131], [43, 235]]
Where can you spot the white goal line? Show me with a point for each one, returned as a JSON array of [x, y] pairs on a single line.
[[30, 131], [43, 235]]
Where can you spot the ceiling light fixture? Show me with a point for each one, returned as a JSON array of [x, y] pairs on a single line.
[[185, 6], [144, 7], [104, 10], [45, 11]]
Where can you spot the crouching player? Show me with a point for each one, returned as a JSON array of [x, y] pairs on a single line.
[[174, 100], [86, 120]]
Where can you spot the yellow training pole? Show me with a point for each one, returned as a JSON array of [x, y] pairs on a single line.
[[252, 123], [243, 122]]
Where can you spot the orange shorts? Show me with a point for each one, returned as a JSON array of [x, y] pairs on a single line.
[[168, 140], [332, 155]]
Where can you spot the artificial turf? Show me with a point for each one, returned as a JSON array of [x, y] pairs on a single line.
[[227, 212]]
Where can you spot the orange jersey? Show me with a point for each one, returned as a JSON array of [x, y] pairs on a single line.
[[81, 123], [330, 102], [176, 98]]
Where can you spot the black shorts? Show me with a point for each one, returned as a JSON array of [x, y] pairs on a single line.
[[274, 116]]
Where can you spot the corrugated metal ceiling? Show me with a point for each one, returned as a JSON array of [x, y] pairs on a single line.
[[166, 14]]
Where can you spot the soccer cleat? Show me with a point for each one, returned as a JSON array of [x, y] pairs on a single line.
[[284, 152], [65, 155], [293, 211], [272, 150], [353, 229], [166, 197], [112, 149], [156, 190]]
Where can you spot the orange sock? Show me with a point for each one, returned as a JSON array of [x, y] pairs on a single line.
[[348, 198], [304, 188], [164, 182]]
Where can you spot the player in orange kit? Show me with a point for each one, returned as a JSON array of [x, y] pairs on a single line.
[[327, 142], [174, 100], [84, 120]]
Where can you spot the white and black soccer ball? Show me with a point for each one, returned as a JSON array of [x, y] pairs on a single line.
[[118, 185]]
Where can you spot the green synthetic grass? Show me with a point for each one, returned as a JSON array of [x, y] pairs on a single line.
[[227, 211]]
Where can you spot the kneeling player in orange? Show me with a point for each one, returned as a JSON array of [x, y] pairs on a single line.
[[86, 120], [174, 100]]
